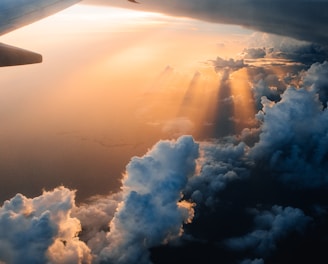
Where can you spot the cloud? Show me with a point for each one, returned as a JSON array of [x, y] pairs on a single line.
[[290, 140], [230, 65], [300, 19], [285, 162], [220, 164], [270, 227], [119, 228], [263, 88], [95, 216], [316, 79], [293, 141], [162, 189], [302, 52], [152, 212], [41, 230], [254, 53], [270, 50], [290, 147], [252, 261]]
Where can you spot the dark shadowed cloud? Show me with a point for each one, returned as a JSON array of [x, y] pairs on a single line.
[[262, 193], [254, 53], [222, 163], [252, 261], [270, 227], [231, 65]]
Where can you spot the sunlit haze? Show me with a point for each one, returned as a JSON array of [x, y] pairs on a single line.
[[112, 83]]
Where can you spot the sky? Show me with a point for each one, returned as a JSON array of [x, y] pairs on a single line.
[[190, 135]]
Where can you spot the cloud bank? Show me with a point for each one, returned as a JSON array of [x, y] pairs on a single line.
[[120, 228]]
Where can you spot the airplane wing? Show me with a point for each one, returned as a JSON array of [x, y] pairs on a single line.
[[18, 13], [12, 56]]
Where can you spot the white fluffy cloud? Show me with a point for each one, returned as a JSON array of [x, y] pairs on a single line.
[[316, 79], [41, 230], [294, 138], [148, 212]]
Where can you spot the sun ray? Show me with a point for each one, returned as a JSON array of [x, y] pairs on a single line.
[[244, 106]]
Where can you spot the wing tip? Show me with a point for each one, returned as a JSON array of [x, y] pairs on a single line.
[[13, 56]]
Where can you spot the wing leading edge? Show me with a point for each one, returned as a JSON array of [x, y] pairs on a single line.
[[15, 14], [18, 13]]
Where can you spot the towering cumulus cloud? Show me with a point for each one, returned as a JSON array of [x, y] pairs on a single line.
[[152, 212]]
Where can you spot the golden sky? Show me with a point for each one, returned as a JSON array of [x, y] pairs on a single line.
[[113, 82]]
